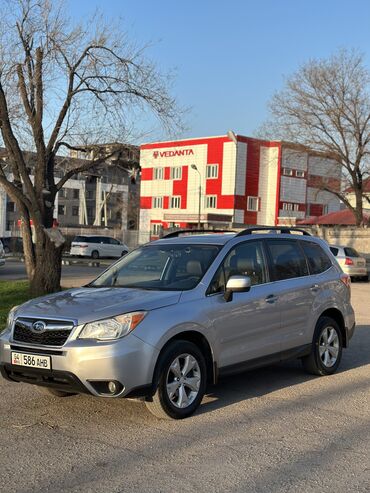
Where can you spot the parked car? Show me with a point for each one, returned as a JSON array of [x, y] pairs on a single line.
[[175, 314], [97, 246], [2, 253], [350, 261], [12, 244]]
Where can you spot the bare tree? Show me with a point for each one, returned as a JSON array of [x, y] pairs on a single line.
[[325, 105], [61, 85]]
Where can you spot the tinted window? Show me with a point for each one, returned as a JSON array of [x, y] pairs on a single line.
[[287, 258], [161, 267], [334, 251], [80, 239], [112, 241], [317, 259], [244, 259], [350, 252]]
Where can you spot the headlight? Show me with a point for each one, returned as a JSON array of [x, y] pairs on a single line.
[[112, 328], [10, 319]]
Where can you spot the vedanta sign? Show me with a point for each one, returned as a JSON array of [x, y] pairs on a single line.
[[180, 152]]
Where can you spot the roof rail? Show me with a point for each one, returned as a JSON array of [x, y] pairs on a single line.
[[281, 229], [176, 234]]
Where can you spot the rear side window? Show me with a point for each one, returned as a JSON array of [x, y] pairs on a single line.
[[287, 258], [317, 259], [334, 251], [350, 252]]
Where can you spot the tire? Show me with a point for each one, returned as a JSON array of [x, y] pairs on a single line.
[[57, 393], [176, 357], [125, 252], [95, 254], [323, 361]]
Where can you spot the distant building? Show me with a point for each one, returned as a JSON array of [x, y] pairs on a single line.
[[104, 196], [242, 181]]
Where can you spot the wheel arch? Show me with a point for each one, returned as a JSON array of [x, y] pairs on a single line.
[[337, 315], [202, 343]]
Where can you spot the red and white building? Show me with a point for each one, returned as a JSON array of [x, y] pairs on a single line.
[[242, 181]]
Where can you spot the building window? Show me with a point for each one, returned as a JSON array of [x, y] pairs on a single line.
[[252, 204], [157, 202], [290, 207], [212, 171], [299, 173], [90, 211], [175, 202], [211, 201], [76, 193], [287, 171], [75, 210], [90, 194], [176, 173], [156, 229], [158, 173], [61, 193], [10, 206], [61, 209]]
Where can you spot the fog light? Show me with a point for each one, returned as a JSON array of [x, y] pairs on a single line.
[[112, 386]]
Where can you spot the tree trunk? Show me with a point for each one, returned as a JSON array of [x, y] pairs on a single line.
[[359, 208], [48, 266]]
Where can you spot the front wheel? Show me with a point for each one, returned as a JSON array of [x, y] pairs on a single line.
[[326, 350], [181, 381], [95, 254]]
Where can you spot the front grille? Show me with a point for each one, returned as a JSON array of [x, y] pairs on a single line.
[[55, 334]]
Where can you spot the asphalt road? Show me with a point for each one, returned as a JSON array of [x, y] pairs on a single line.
[[270, 430], [72, 275]]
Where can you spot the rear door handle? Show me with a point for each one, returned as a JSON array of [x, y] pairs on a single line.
[[315, 288], [271, 298]]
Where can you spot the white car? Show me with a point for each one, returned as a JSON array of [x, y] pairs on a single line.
[[350, 261], [97, 247], [2, 254]]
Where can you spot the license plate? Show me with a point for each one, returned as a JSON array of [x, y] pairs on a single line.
[[31, 360]]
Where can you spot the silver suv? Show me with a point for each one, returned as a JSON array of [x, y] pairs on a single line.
[[176, 314]]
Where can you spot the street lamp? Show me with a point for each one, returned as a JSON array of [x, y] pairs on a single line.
[[194, 167]]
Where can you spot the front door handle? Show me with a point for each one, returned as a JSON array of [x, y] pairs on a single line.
[[271, 298], [315, 288]]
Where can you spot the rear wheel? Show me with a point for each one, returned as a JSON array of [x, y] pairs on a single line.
[[57, 393], [95, 254], [181, 381], [326, 350]]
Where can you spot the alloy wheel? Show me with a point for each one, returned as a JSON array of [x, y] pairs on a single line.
[[329, 346], [183, 380]]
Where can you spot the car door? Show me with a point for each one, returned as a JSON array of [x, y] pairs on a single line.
[[247, 327], [115, 247], [292, 284]]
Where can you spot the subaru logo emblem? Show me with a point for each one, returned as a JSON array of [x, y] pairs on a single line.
[[38, 326]]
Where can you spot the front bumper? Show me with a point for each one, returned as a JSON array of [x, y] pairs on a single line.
[[86, 366]]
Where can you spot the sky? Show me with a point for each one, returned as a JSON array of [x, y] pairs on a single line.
[[230, 57]]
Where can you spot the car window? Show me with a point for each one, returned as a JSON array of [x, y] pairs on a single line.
[[334, 251], [317, 259], [287, 258], [172, 267], [244, 259], [80, 239], [112, 241], [350, 252]]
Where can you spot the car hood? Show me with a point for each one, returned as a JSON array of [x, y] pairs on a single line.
[[88, 304]]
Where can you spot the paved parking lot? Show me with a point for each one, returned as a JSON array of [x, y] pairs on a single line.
[[270, 430]]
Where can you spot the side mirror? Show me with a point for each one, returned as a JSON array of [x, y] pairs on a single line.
[[237, 284]]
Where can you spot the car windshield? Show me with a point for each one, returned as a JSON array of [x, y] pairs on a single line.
[[160, 267]]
